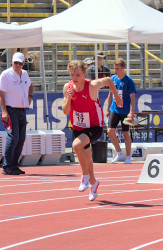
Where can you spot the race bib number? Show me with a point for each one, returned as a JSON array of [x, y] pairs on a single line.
[[81, 119]]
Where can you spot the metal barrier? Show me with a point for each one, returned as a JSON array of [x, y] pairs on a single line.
[[54, 3]]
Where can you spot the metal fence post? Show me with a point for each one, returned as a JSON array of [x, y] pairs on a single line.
[[161, 55], [106, 54], [128, 59], [142, 65], [74, 50], [8, 55], [54, 67]]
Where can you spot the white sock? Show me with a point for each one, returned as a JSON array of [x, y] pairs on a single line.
[[86, 177], [119, 153]]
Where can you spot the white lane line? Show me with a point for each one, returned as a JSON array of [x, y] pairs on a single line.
[[76, 188], [72, 197], [147, 244], [56, 189], [118, 177], [39, 191], [47, 190], [119, 171], [38, 176], [63, 180], [78, 229], [76, 209], [39, 183]]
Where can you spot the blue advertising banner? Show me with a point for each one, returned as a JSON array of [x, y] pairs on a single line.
[[145, 100]]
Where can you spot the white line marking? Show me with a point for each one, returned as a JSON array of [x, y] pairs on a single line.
[[72, 197], [46, 181], [147, 244], [78, 229], [76, 188], [38, 177], [29, 184], [39, 183], [77, 209]]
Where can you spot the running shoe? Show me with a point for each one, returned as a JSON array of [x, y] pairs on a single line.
[[84, 183], [93, 191]]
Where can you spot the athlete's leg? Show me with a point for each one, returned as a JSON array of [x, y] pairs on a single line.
[[78, 145], [90, 165], [113, 138], [128, 142]]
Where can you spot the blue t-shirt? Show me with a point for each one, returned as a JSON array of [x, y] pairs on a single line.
[[125, 87]]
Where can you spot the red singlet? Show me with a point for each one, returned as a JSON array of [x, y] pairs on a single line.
[[85, 113]]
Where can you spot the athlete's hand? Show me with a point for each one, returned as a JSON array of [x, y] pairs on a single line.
[[131, 116], [70, 93], [119, 101], [5, 116]]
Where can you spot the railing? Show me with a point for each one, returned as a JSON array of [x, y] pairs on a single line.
[[54, 2], [147, 53], [8, 10]]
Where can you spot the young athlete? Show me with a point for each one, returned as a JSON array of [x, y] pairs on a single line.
[[86, 115]]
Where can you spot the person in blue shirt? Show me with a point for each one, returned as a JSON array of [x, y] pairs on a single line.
[[126, 89]]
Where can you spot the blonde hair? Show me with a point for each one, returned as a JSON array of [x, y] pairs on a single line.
[[121, 62], [76, 64]]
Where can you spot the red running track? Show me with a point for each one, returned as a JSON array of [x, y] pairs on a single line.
[[44, 210]]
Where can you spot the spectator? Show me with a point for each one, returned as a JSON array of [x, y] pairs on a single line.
[[15, 97], [90, 68], [126, 89], [86, 115], [22, 50], [102, 70], [158, 5]]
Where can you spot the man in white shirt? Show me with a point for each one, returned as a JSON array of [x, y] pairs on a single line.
[[15, 97]]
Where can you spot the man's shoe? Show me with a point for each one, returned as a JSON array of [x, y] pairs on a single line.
[[10, 171], [84, 183], [118, 157], [20, 171], [93, 191]]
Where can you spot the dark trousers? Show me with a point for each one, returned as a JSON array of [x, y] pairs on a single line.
[[15, 139]]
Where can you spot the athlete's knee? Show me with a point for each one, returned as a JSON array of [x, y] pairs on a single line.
[[76, 145]]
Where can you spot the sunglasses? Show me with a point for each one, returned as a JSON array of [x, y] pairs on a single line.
[[18, 63]]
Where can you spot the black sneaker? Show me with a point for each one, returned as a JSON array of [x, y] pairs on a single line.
[[10, 171], [20, 171]]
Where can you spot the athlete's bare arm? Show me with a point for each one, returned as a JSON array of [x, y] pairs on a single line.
[[67, 93], [95, 85]]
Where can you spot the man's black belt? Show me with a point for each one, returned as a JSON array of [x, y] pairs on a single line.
[[23, 109]]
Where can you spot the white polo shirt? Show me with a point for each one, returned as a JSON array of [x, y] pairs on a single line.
[[15, 87]]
